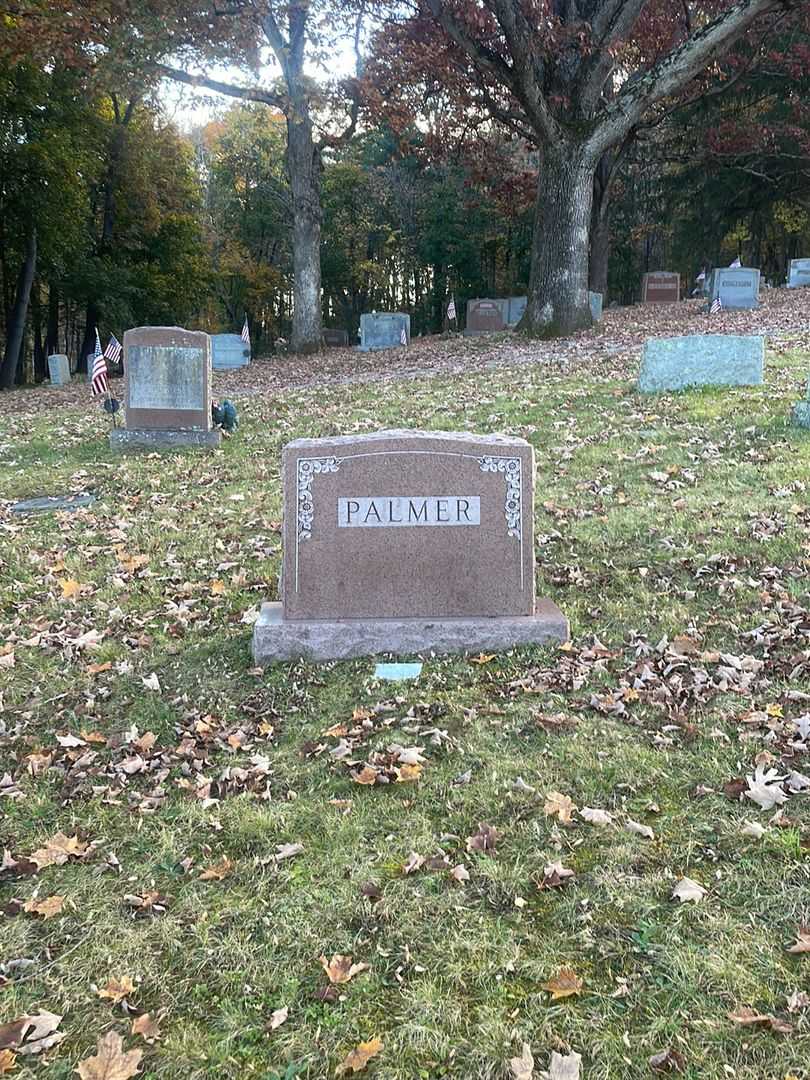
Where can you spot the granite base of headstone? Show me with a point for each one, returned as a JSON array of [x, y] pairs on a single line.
[[383, 330], [737, 288], [167, 390], [229, 351], [595, 302], [406, 542], [335, 339], [58, 369], [661, 287], [798, 273], [701, 360]]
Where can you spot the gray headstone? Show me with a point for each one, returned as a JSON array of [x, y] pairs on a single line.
[[798, 273], [595, 300], [701, 360], [516, 307], [738, 288], [45, 503], [228, 351], [801, 410], [335, 339], [58, 369], [383, 330]]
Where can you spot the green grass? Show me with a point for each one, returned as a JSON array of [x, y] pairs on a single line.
[[685, 514]]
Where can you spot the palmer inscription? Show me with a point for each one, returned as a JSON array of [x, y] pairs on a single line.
[[401, 510]]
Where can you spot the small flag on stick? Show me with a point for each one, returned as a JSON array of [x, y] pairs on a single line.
[[451, 310], [246, 332], [717, 305], [113, 350], [98, 377], [403, 337], [736, 264]]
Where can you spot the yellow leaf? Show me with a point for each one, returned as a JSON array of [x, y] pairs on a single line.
[[357, 1059], [408, 773], [565, 983], [47, 908], [559, 806], [218, 588], [7, 1061], [774, 710], [70, 588], [366, 775], [117, 989], [218, 871], [110, 1061], [482, 658]]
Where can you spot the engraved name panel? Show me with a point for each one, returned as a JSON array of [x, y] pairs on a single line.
[[166, 377], [384, 511]]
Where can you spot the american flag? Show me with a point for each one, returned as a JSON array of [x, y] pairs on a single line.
[[451, 309], [736, 264], [403, 337], [717, 305], [98, 377], [113, 350], [246, 332]]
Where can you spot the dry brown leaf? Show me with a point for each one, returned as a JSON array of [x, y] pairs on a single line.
[[414, 862], [8, 1061], [366, 775], [110, 1061], [117, 989], [70, 588], [669, 1060], [47, 908], [460, 873], [595, 817], [802, 943], [32, 1034], [749, 1018], [357, 1059], [340, 969], [146, 1027], [217, 871], [406, 774], [58, 850], [484, 840], [559, 806], [564, 984], [555, 875]]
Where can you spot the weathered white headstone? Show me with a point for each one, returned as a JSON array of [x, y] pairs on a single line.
[[701, 360], [798, 273], [384, 330], [229, 351], [737, 287], [58, 369]]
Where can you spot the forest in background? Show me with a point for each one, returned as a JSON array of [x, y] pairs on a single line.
[[113, 218]]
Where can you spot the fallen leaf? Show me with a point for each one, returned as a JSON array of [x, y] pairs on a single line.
[[288, 851], [802, 943], [7, 659], [58, 850], [484, 840], [7, 1061], [413, 863], [70, 588], [765, 788], [642, 830], [217, 871], [151, 682], [117, 989], [753, 828], [564, 984], [749, 1018], [31, 1034], [564, 1066], [595, 817], [688, 890], [482, 658], [47, 908], [522, 1067], [797, 1001], [146, 1027], [340, 969], [277, 1018], [357, 1059], [559, 806], [460, 873], [668, 1060], [110, 1061], [366, 775], [555, 875]]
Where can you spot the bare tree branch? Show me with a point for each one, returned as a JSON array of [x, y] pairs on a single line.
[[245, 93]]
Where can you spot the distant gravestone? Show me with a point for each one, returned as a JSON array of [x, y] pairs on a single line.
[[798, 273], [383, 330], [229, 351], [701, 360], [661, 287], [44, 504], [406, 542], [736, 287], [336, 339], [516, 305], [801, 410], [485, 317], [595, 301], [168, 389], [58, 369]]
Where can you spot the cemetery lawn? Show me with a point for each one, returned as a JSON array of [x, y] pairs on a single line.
[[675, 533]]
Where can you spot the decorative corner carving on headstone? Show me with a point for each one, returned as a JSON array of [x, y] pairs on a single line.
[[512, 506], [307, 468]]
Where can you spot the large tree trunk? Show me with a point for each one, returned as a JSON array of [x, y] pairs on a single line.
[[19, 311], [558, 283], [304, 167]]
